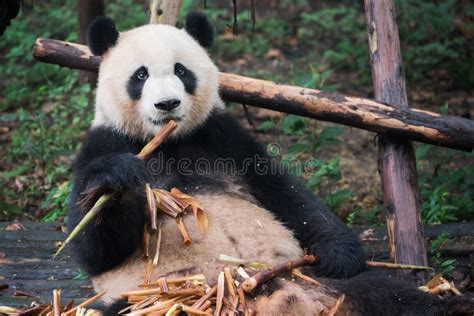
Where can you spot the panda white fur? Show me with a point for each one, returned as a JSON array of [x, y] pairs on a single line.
[[147, 76]]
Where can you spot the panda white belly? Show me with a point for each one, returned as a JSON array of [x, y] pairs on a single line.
[[237, 227]]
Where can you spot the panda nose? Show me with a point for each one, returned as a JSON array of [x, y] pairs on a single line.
[[168, 105]]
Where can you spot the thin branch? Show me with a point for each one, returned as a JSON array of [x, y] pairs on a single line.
[[391, 265], [263, 276]]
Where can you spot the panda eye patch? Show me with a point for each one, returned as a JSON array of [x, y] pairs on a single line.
[[136, 82], [187, 77], [179, 70], [142, 74]]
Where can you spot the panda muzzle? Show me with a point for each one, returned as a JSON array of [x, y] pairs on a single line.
[[168, 105]]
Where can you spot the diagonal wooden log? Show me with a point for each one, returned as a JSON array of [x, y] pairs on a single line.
[[403, 123]]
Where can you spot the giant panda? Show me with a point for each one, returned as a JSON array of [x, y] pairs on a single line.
[[156, 73]]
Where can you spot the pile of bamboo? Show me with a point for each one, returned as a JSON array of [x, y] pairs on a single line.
[[191, 294], [54, 308], [174, 204]]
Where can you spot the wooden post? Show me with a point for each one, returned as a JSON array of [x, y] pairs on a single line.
[[397, 165], [164, 11], [87, 11]]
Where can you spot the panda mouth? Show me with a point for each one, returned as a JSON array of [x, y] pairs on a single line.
[[165, 120]]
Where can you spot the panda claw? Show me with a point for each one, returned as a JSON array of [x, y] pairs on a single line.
[[89, 196]]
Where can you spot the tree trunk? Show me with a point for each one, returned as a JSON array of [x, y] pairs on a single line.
[[87, 11], [397, 165]]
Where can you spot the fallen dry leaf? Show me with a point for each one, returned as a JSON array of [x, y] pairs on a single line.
[[15, 226]]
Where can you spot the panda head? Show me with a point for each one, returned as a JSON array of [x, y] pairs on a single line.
[[152, 74]]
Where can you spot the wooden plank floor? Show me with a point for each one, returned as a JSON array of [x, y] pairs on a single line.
[[26, 259], [26, 264]]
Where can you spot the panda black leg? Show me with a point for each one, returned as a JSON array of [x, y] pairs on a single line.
[[376, 293]]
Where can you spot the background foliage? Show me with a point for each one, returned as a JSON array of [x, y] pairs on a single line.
[[45, 111]]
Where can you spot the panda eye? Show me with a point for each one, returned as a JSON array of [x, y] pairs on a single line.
[[179, 70], [142, 75]]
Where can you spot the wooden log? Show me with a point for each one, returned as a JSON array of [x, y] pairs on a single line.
[[397, 163], [419, 125]]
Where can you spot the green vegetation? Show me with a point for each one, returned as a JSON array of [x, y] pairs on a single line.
[[445, 266], [446, 185], [48, 110]]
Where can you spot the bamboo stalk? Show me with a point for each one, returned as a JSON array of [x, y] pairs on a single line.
[[241, 271], [191, 310], [158, 309], [148, 271], [199, 214], [199, 291], [56, 302], [156, 141], [182, 229], [140, 305], [85, 220], [206, 306], [220, 293], [230, 282], [391, 265], [151, 202], [156, 258], [85, 303], [335, 308], [263, 276], [233, 260], [297, 273], [141, 292], [146, 243], [179, 280], [173, 310], [144, 153], [243, 301], [200, 302], [168, 204]]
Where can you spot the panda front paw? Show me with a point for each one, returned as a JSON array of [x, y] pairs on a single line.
[[338, 259], [113, 173]]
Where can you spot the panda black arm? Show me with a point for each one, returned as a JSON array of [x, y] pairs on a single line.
[[316, 228], [313, 224], [107, 163]]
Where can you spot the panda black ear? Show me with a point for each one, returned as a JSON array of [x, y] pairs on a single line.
[[199, 27], [101, 35]]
